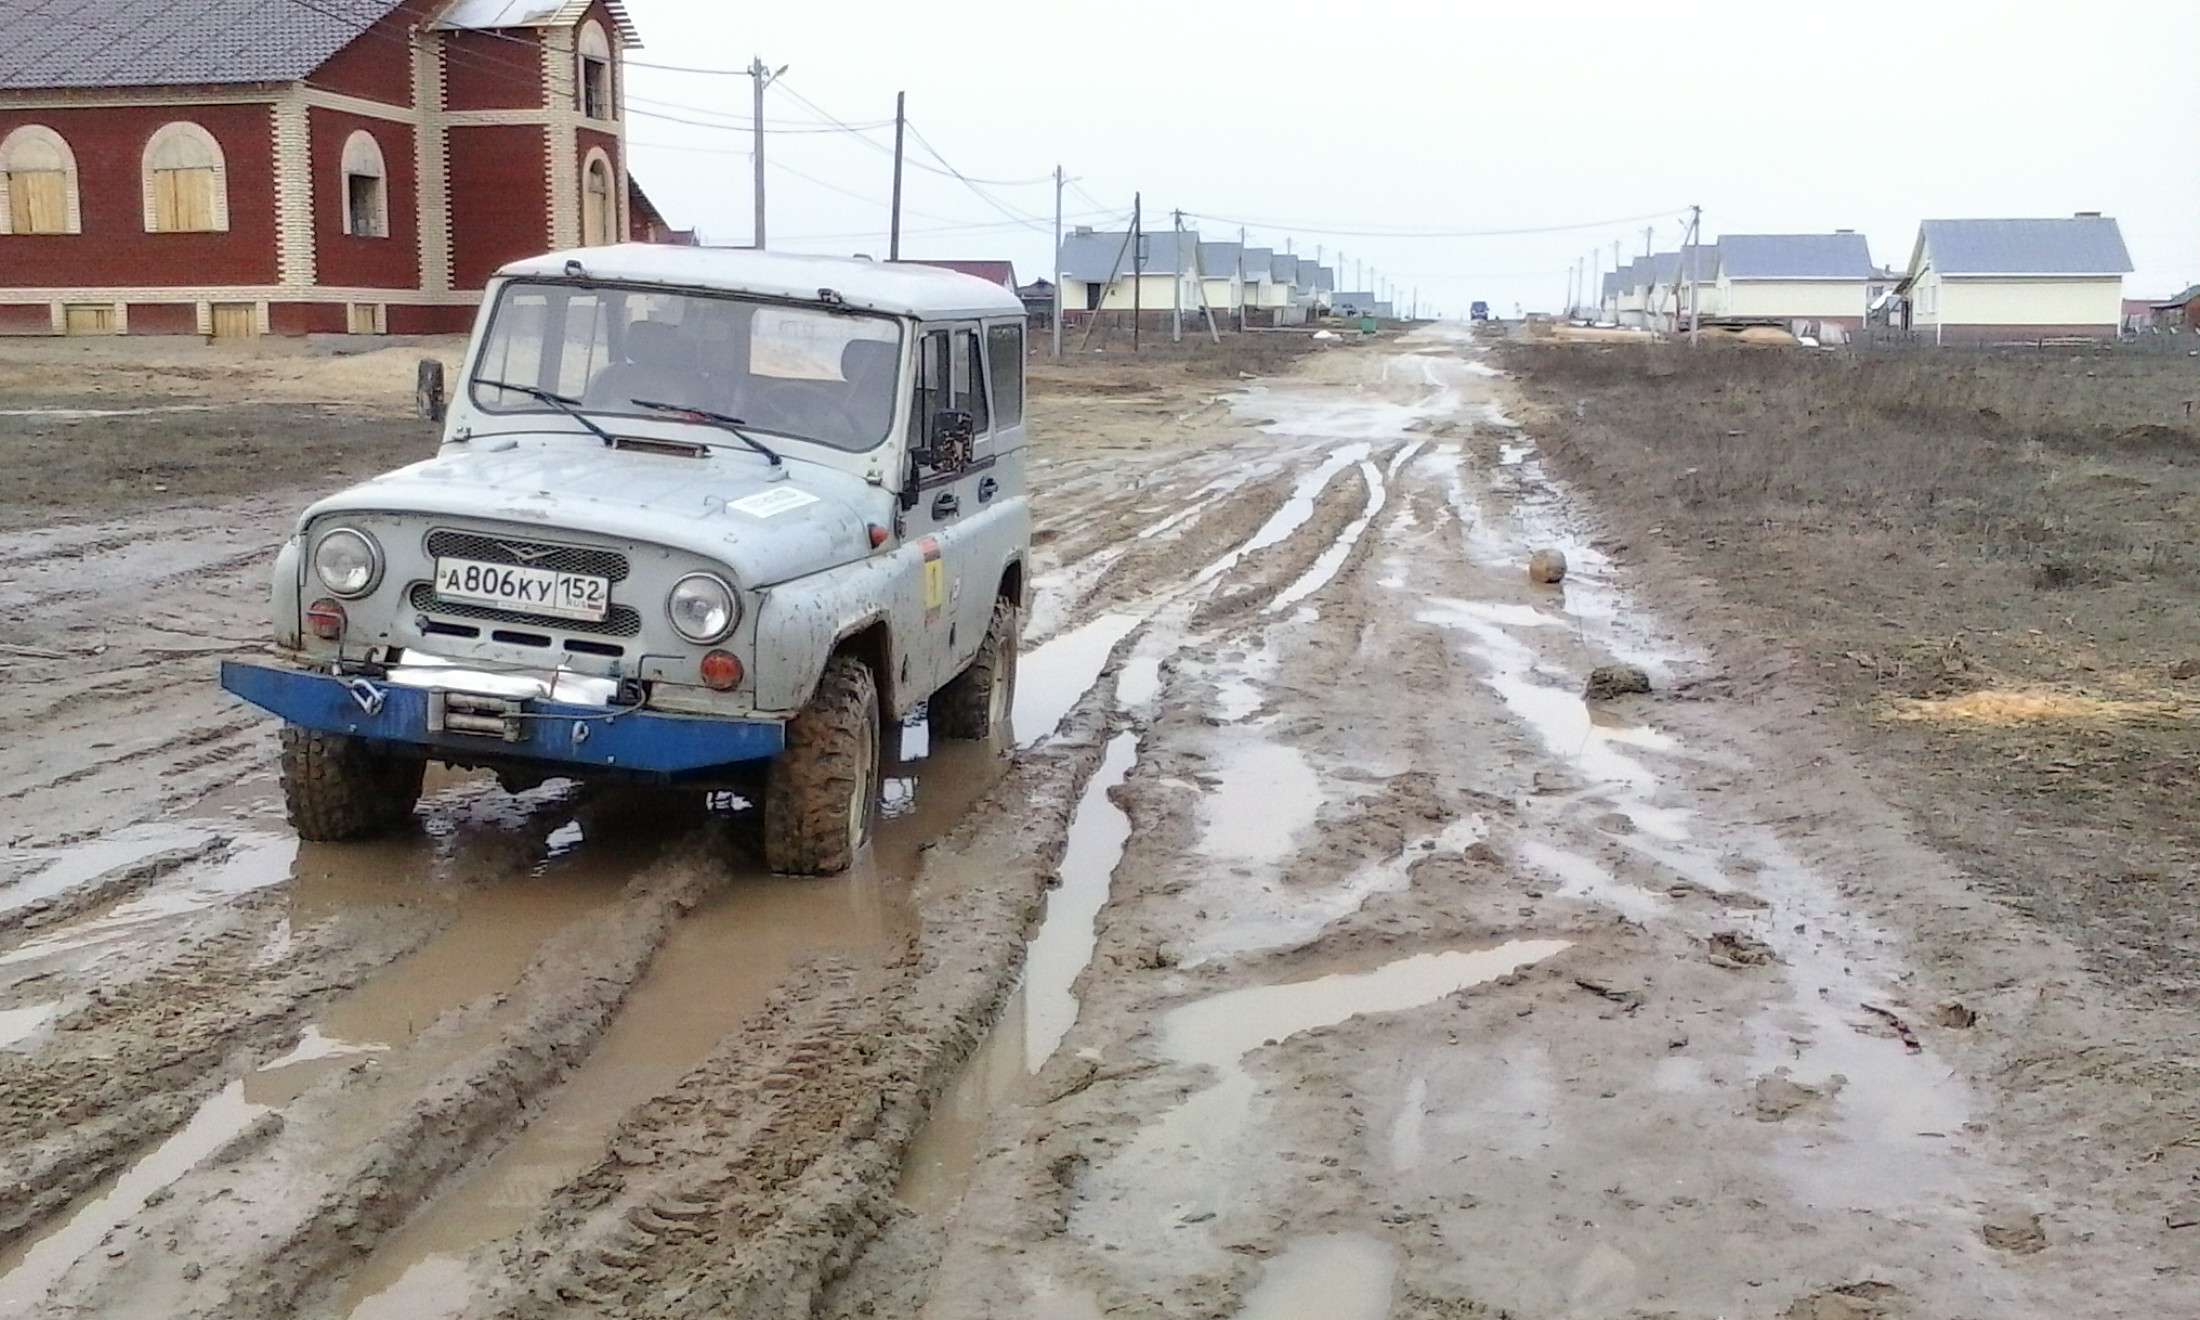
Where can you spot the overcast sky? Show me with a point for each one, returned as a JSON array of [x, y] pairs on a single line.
[[1351, 126]]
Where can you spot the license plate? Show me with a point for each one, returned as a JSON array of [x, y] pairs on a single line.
[[524, 590]]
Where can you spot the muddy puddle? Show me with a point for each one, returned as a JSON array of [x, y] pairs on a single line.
[[1043, 1008], [718, 967], [1051, 677], [1182, 1167], [1341, 1276]]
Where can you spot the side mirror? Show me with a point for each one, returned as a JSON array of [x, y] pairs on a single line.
[[948, 440]]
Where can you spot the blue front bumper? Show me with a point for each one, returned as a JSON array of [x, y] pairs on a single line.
[[546, 732]]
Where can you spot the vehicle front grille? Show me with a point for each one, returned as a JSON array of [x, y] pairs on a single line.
[[446, 543], [622, 621]]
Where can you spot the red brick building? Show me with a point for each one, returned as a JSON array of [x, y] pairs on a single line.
[[236, 167]]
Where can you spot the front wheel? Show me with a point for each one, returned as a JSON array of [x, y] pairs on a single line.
[[821, 792], [338, 787], [980, 699]]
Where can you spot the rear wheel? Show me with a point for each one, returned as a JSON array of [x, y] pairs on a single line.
[[338, 787], [821, 792], [979, 700]]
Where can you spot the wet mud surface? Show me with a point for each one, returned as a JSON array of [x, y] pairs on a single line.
[[1307, 947]]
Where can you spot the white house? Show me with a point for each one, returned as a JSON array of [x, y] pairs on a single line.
[[1818, 279], [1116, 272], [1995, 281], [1682, 284]]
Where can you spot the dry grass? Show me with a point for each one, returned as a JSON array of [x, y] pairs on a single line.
[[2016, 456], [1987, 560]]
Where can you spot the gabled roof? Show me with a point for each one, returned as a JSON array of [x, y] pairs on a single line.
[[1796, 257], [1325, 279], [2179, 300], [1701, 260], [2073, 245], [996, 272], [1101, 257], [492, 14], [161, 43], [1218, 259], [1612, 283], [1258, 263], [1283, 268]]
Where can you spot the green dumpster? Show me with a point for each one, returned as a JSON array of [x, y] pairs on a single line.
[[1367, 325]]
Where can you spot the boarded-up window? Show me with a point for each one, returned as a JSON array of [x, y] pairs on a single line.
[[599, 214], [366, 187], [184, 183], [40, 176], [88, 318]]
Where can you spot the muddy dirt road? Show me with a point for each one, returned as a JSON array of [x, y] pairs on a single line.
[[1318, 952]]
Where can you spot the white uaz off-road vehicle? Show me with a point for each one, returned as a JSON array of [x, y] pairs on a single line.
[[695, 511]]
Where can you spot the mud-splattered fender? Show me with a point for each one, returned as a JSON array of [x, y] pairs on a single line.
[[798, 623]]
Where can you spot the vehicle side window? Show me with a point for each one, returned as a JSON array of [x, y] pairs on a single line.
[[968, 381], [932, 377], [1005, 346]]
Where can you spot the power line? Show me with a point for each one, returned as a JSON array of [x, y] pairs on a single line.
[[1427, 233]]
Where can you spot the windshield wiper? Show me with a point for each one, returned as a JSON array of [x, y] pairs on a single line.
[[731, 425], [570, 407]]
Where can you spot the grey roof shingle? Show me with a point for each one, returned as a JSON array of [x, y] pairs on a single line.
[[1283, 268], [159, 43], [1218, 259], [1325, 279], [1796, 257], [1100, 256], [1666, 267], [1258, 262], [2073, 245]]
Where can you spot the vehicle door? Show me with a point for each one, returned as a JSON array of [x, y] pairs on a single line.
[[942, 499]]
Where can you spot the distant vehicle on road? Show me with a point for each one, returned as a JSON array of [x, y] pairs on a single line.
[[1480, 311]]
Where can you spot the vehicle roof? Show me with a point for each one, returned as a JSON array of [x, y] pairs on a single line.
[[897, 289]]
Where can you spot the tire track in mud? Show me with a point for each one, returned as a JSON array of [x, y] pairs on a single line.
[[852, 1054], [303, 1215]]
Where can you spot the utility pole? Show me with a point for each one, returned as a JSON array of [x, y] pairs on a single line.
[[1357, 287], [759, 77], [1176, 283], [1057, 317], [893, 238], [1695, 230], [1239, 292], [1138, 264]]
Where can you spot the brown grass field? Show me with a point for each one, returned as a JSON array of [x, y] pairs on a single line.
[[1989, 561]]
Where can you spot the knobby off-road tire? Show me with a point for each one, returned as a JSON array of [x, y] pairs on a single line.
[[978, 700], [821, 791], [337, 787]]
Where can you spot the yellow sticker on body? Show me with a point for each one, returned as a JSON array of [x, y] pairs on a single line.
[[935, 578]]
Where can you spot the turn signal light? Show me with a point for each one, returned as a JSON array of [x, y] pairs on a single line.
[[878, 536], [325, 619], [721, 671]]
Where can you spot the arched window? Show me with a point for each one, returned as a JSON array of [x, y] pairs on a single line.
[[599, 202], [366, 187], [593, 73], [186, 185], [37, 183]]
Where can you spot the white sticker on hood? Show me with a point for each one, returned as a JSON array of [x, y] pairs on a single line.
[[771, 503]]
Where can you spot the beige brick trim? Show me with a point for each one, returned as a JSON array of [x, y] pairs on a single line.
[[432, 164], [561, 144], [294, 254], [399, 297]]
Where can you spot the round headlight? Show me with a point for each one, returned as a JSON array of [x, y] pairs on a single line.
[[347, 562], [703, 608]]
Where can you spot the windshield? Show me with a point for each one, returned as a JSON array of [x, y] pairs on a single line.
[[788, 371]]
